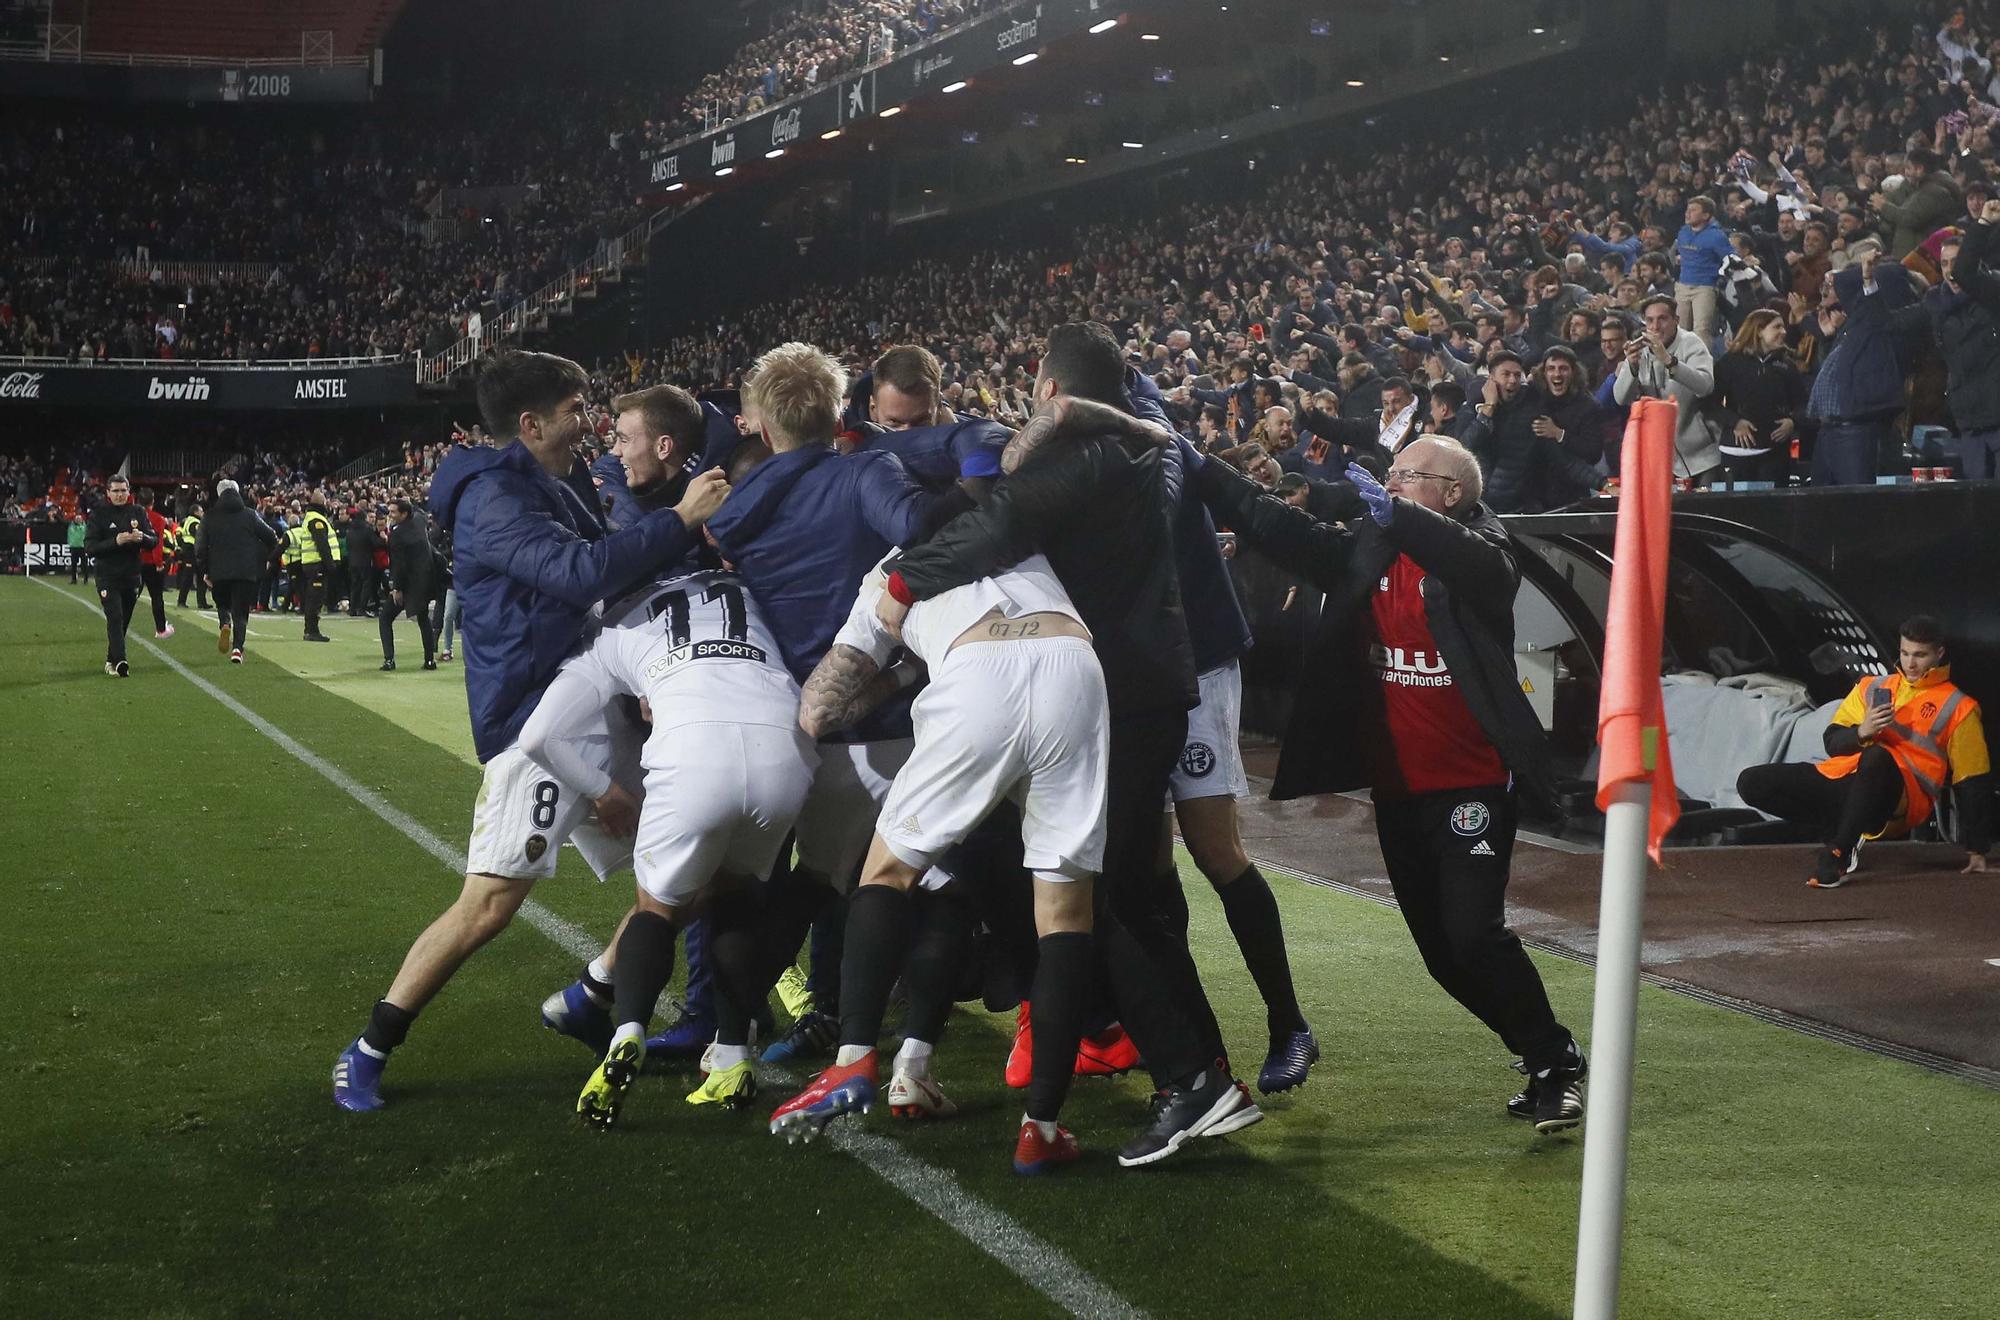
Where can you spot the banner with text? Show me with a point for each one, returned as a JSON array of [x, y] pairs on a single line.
[[190, 387]]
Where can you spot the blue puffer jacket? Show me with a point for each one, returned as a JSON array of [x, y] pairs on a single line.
[[530, 559], [804, 528]]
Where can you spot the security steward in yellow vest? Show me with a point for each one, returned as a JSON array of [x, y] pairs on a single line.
[[189, 579], [1893, 747], [316, 558]]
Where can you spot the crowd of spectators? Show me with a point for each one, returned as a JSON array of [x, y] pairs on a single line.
[[806, 47], [347, 241], [1777, 269]]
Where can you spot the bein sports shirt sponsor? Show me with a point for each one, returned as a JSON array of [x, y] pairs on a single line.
[[1432, 741]]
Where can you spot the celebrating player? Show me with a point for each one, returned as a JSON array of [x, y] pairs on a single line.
[[727, 770], [531, 559]]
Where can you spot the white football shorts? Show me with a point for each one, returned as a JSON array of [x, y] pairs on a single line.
[[1211, 760], [839, 815], [720, 798], [1021, 720], [524, 815]]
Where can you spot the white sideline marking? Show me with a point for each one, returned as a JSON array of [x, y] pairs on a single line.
[[1040, 1265]]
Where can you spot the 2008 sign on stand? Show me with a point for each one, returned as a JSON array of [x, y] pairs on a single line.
[[268, 84]]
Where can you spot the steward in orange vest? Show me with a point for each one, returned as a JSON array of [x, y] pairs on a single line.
[[1895, 744]]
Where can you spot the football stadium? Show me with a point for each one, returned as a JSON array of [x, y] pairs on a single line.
[[1010, 657]]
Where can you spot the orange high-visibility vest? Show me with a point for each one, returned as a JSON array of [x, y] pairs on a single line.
[[1916, 736]]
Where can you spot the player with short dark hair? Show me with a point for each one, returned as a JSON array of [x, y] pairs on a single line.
[[531, 561]]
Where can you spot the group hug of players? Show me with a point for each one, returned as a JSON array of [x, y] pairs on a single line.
[[843, 658]]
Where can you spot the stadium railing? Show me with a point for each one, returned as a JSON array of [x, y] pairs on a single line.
[[559, 297], [210, 364]]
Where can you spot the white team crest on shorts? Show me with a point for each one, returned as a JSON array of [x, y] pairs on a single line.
[[1197, 759], [1470, 818]]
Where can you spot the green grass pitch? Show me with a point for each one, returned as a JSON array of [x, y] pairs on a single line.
[[196, 923]]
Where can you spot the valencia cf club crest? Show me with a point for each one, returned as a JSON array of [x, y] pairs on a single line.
[[1197, 759], [1929, 711], [537, 845], [1470, 818]]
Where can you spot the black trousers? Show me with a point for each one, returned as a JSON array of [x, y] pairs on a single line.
[[360, 586], [233, 599], [415, 609], [79, 562], [155, 579], [1841, 809], [1448, 856], [1140, 948], [312, 593], [191, 580], [118, 599]]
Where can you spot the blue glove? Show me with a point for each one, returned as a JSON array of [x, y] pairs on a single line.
[[1191, 458], [1381, 504]]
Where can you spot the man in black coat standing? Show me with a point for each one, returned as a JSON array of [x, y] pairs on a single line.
[[119, 533], [412, 573], [231, 551], [1101, 509], [359, 542], [1411, 691]]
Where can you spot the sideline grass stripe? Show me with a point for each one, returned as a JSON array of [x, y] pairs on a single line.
[[1037, 1263]]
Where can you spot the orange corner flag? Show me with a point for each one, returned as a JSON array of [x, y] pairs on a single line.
[[1631, 714]]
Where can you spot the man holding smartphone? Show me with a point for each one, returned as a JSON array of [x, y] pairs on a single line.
[[1892, 747]]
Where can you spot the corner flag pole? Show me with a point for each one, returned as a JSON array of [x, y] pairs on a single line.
[[1614, 1026], [1635, 790]]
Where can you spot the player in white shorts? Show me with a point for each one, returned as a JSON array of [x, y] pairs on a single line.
[[1015, 710], [726, 772]]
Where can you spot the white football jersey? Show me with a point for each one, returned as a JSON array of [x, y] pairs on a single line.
[[696, 647], [1029, 587]]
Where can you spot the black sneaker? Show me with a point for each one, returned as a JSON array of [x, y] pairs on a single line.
[[430, 664], [388, 666], [124, 670], [1522, 1106], [1559, 1097], [318, 637], [1212, 1100]]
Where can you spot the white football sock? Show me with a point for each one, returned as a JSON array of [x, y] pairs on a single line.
[[727, 1056], [627, 1031], [850, 1055], [914, 1058]]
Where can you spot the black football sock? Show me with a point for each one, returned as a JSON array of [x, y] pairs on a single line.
[[880, 922], [1064, 975], [644, 965], [601, 989], [937, 961], [1252, 911], [793, 900], [388, 1026], [829, 952], [735, 937]]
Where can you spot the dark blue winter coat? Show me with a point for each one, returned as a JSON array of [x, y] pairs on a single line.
[[530, 558]]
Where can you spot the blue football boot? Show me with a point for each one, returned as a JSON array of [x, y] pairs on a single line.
[[573, 1013], [357, 1079]]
